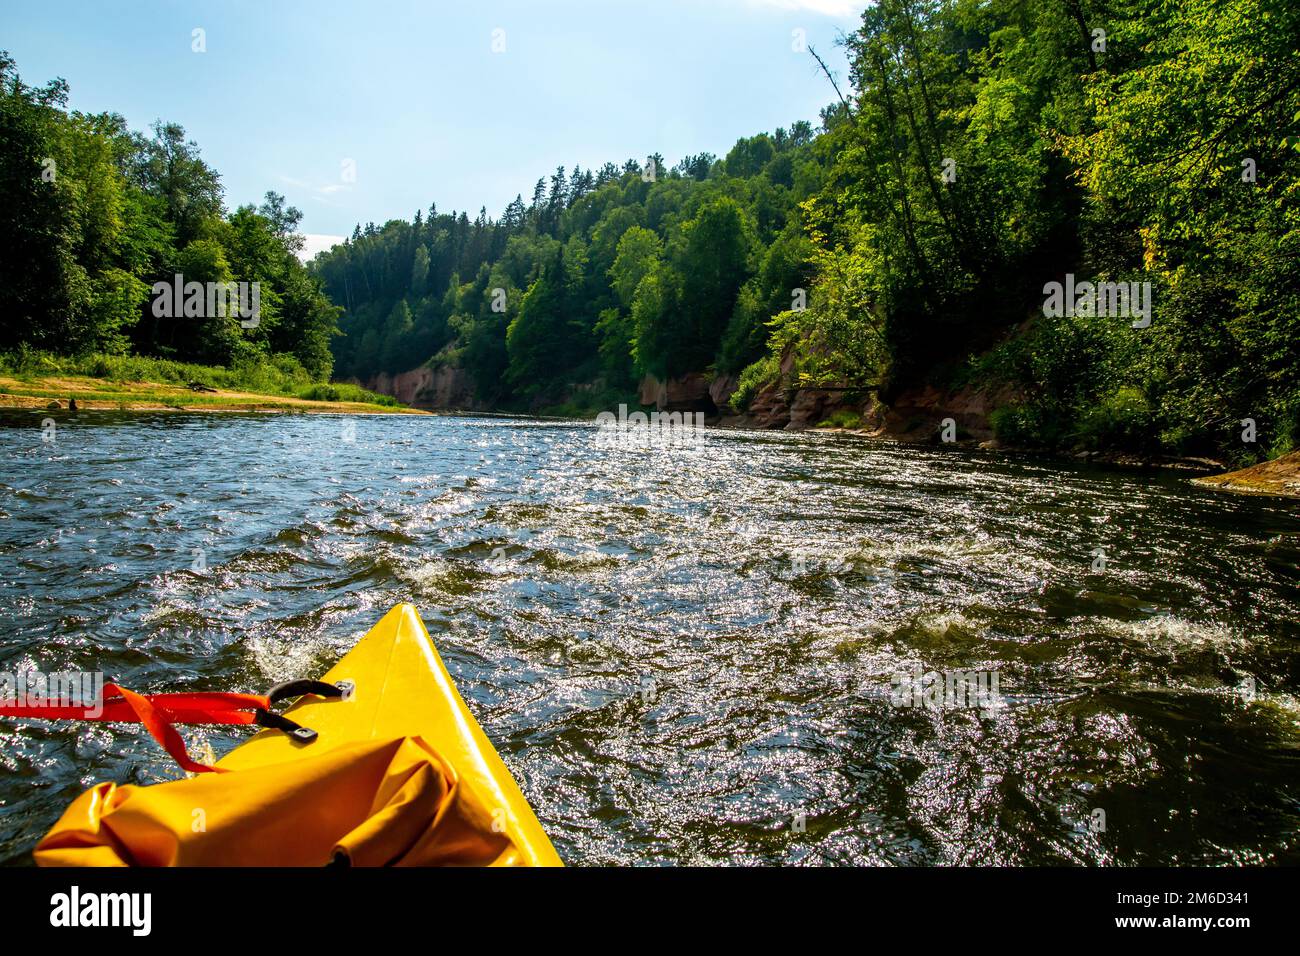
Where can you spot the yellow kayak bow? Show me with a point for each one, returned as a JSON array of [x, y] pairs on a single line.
[[400, 773]]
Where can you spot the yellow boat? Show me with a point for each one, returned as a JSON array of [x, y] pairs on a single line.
[[399, 773]]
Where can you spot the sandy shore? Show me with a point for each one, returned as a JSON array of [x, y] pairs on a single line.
[[101, 394]]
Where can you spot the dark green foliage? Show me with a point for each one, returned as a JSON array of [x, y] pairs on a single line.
[[94, 215], [984, 148], [608, 276], [1115, 158]]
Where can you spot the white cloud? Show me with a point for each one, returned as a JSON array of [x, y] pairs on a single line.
[[317, 242], [841, 9], [318, 192]]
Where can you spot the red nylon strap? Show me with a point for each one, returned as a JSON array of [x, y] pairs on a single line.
[[158, 724], [157, 712]]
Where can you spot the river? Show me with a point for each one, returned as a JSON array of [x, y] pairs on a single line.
[[689, 654]]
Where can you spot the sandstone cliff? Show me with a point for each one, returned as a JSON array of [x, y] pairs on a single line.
[[445, 388], [915, 414], [689, 393]]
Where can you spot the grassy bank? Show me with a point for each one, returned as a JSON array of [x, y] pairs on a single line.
[[31, 379]]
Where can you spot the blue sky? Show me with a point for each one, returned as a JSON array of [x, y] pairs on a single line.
[[412, 93]]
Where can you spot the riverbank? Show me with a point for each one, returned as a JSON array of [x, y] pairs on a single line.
[[92, 393], [1278, 477], [917, 417]]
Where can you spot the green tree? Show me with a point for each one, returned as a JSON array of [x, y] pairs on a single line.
[[712, 260], [169, 166]]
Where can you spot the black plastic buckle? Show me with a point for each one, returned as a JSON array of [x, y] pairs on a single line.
[[298, 688], [274, 721]]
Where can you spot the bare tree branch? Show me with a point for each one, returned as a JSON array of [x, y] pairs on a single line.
[[848, 111]]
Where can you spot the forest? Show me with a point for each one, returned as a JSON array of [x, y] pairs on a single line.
[[604, 276], [983, 151], [94, 214], [979, 151]]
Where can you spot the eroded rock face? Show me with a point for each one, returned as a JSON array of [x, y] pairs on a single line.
[[688, 393], [917, 414], [443, 388], [810, 406], [721, 389], [768, 409], [650, 390]]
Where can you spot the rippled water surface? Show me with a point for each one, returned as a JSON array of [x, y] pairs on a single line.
[[678, 651]]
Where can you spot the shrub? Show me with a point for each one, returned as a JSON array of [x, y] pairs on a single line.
[[842, 418], [1017, 425], [319, 392], [344, 392], [1122, 419], [754, 379]]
